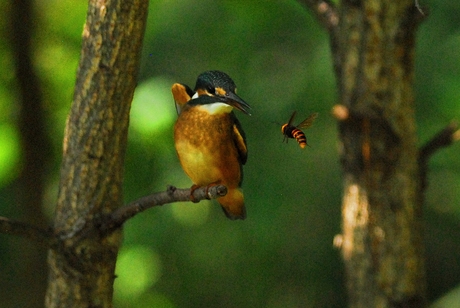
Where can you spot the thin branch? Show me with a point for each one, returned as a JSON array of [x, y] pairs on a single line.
[[119, 216], [172, 194], [447, 136], [444, 138], [28, 231], [419, 8], [327, 15], [325, 11]]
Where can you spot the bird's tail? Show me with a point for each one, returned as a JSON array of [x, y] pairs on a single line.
[[233, 204]]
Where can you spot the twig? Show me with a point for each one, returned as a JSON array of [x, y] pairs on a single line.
[[172, 194], [447, 136], [328, 16], [118, 217], [444, 138], [419, 8], [8, 226], [325, 11]]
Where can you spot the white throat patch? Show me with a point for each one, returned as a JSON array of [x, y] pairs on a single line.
[[216, 108]]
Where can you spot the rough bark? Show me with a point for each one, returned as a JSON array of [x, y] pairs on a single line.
[[382, 241], [82, 263]]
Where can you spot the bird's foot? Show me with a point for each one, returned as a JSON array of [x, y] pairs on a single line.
[[208, 195], [195, 187], [192, 190]]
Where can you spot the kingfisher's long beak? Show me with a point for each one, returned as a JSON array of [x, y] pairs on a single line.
[[238, 103]]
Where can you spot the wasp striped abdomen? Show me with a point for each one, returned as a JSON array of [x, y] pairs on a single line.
[[294, 132], [300, 137]]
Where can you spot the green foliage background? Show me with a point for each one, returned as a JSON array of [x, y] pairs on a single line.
[[190, 255]]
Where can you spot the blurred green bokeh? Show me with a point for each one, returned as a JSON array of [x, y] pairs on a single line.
[[190, 255], [9, 153]]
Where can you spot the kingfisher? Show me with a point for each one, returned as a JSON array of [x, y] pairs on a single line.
[[209, 139]]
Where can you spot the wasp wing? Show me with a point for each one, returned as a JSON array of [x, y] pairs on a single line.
[[291, 119], [308, 121]]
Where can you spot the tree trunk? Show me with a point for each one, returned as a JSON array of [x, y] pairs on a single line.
[[36, 157], [82, 263], [382, 242]]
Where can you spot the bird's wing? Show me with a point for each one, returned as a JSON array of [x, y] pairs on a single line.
[[240, 140], [182, 94]]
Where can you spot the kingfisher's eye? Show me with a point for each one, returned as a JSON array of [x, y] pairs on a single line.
[[211, 90]]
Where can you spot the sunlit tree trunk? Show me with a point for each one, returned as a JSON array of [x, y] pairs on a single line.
[[372, 44], [82, 262], [382, 241]]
